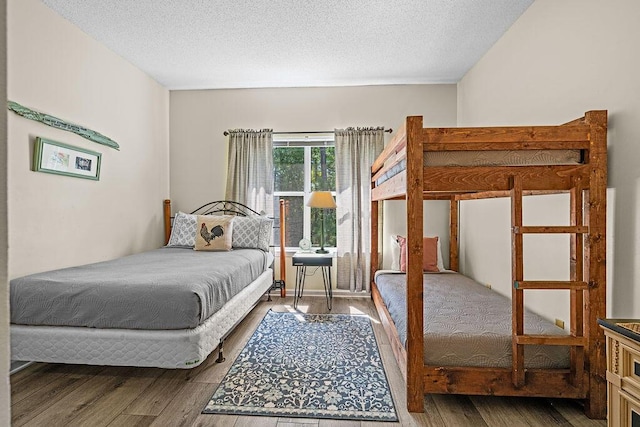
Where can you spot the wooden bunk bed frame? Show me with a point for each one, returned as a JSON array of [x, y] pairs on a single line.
[[586, 183]]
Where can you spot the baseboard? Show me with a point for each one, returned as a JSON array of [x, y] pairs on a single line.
[[18, 365]]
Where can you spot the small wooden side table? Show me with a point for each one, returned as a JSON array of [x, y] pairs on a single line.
[[302, 260]]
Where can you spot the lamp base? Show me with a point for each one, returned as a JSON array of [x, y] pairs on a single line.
[[322, 251]]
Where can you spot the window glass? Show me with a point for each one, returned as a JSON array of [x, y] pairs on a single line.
[[288, 168], [323, 169], [295, 220], [329, 227], [300, 167]]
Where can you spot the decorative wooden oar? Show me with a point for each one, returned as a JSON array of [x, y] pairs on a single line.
[[57, 123]]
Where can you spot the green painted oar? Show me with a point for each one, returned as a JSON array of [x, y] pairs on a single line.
[[62, 124]]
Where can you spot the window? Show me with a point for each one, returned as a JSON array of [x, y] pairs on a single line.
[[300, 166]]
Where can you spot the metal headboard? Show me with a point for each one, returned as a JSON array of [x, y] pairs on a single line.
[[226, 207], [218, 207]]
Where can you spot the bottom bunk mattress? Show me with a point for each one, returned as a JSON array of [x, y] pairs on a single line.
[[163, 289], [467, 324]]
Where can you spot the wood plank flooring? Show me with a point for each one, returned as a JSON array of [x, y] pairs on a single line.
[[49, 395]]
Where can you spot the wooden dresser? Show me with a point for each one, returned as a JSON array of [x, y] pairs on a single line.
[[623, 371]]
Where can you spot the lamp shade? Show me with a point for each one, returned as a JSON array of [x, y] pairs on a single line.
[[321, 199]]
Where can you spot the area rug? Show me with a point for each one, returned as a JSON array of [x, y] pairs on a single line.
[[309, 366]]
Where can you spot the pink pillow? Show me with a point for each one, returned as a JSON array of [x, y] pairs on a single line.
[[429, 254]]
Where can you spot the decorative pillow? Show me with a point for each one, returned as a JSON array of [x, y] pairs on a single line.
[[214, 233], [395, 252], [429, 254], [252, 232], [183, 232], [440, 259]]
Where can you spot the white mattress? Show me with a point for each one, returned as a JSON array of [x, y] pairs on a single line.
[[184, 348]]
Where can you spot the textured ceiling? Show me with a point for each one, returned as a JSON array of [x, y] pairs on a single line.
[[210, 44]]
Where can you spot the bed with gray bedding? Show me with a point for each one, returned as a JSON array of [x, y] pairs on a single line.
[[163, 289], [467, 324], [167, 308]]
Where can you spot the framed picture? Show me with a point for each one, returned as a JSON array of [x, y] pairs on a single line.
[[62, 159]]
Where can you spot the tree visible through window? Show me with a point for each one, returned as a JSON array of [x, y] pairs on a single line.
[[301, 167]]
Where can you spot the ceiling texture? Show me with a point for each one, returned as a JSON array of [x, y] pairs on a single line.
[[216, 44]]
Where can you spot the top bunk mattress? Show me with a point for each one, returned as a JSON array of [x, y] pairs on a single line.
[[491, 158], [167, 288], [467, 324]]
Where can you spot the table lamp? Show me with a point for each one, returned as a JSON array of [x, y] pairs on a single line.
[[322, 200]]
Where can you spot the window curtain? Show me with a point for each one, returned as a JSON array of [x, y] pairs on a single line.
[[250, 171], [356, 149]]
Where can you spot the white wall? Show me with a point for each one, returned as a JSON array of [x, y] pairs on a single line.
[[5, 397], [57, 221], [560, 59], [198, 119]]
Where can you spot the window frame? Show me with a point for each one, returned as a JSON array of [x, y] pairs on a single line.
[[306, 141]]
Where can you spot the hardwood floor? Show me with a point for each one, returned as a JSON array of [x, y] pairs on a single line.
[[76, 395]]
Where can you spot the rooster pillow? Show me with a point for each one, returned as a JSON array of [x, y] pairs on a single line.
[[215, 233]]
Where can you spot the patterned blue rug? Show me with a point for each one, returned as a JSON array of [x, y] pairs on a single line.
[[310, 366]]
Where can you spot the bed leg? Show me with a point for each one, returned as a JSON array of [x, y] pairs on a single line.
[[220, 358]]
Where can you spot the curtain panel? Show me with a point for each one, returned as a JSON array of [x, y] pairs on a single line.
[[356, 149], [250, 170]]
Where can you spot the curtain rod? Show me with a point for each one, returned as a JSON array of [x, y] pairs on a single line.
[[225, 133]]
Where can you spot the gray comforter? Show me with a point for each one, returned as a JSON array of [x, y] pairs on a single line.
[[167, 288], [467, 324]]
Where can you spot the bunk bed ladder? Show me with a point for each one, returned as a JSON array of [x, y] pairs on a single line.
[[576, 285]]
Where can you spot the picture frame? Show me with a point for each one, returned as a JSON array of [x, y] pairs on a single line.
[[62, 159]]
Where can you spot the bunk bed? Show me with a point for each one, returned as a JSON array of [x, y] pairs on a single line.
[[457, 164]]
